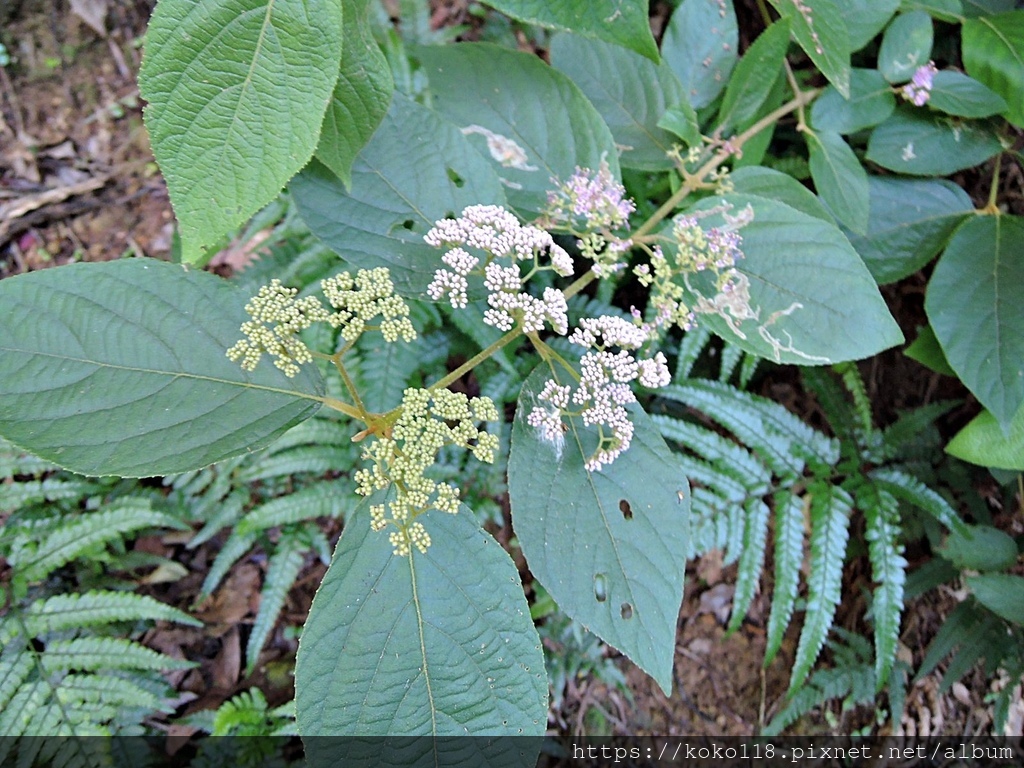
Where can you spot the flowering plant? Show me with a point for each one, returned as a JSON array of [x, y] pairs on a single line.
[[491, 189]]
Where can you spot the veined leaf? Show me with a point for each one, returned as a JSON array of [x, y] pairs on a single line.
[[528, 120], [237, 91], [839, 177], [919, 143], [700, 45], [416, 169], [754, 77], [436, 644], [133, 356], [610, 546], [993, 52], [871, 101], [865, 19], [957, 94], [613, 21], [819, 27], [983, 441], [361, 96], [796, 316], [1001, 593], [629, 92], [980, 329], [906, 46]]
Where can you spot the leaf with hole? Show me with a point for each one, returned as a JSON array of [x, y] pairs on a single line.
[[610, 546], [137, 382]]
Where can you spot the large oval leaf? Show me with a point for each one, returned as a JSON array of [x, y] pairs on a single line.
[[610, 546], [437, 644], [527, 118], [984, 442], [614, 21], [820, 28], [839, 177], [237, 91], [915, 142], [630, 92], [909, 222], [973, 306], [120, 369], [815, 300], [871, 101], [416, 169]]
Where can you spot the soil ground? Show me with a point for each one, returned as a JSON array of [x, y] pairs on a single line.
[[78, 182]]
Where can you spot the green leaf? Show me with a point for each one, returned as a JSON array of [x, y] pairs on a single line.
[[436, 644], [888, 571], [237, 91], [909, 222], [820, 29], [993, 53], [839, 177], [816, 302], [751, 563], [865, 19], [754, 77], [957, 94], [920, 143], [871, 102], [529, 120], [97, 607], [610, 546], [830, 511], [681, 121], [984, 442], [974, 8], [980, 548], [925, 349], [1001, 593], [789, 556], [980, 328], [361, 96], [700, 45], [630, 92], [622, 22], [781, 187], [416, 169], [906, 45], [120, 368]]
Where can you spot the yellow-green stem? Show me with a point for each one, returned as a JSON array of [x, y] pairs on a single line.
[[993, 192], [693, 181]]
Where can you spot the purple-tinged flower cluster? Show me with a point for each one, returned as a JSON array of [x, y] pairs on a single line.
[[498, 235], [919, 89], [593, 199], [604, 390]]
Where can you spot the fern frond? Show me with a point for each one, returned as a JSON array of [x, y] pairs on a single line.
[[780, 437], [73, 538], [854, 383], [14, 461], [24, 492], [889, 570], [15, 667], [323, 499], [835, 404], [908, 488], [724, 455], [731, 357], [315, 460], [283, 569], [748, 367], [690, 347], [789, 555], [244, 714], [830, 517], [228, 513], [234, 548], [711, 521], [748, 578], [906, 431], [699, 471], [89, 609], [316, 431], [95, 654]]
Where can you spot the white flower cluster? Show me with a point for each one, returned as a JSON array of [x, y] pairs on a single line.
[[604, 390], [277, 317], [402, 457], [498, 235]]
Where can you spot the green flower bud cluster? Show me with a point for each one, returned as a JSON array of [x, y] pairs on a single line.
[[429, 421], [278, 317]]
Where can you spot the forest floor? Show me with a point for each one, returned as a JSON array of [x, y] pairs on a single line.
[[78, 183]]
